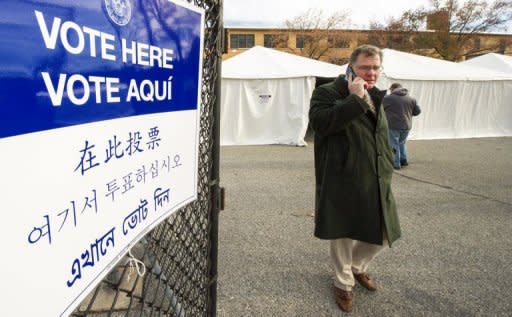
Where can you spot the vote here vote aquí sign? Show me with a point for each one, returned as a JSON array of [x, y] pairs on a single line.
[[99, 120]]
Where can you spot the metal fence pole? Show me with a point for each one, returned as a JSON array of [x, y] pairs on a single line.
[[215, 205]]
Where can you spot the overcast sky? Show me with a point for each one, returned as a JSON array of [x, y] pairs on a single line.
[[268, 13], [274, 12]]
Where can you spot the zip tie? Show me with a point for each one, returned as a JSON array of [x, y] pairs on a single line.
[[138, 264]]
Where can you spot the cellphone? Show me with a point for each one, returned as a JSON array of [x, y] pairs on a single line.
[[353, 75], [350, 72]]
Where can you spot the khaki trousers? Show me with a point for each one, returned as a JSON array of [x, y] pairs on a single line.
[[352, 256]]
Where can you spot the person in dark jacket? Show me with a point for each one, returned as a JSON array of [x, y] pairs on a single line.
[[354, 205], [399, 108]]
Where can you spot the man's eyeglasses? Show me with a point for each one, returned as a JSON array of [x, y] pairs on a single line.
[[368, 68]]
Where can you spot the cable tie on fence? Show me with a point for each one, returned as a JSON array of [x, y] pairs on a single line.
[[138, 264]]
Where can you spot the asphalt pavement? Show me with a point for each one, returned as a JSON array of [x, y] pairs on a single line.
[[454, 258]]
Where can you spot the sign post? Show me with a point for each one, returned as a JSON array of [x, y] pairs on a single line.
[[99, 134]]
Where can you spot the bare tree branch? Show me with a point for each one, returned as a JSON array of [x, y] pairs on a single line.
[[454, 23], [317, 30]]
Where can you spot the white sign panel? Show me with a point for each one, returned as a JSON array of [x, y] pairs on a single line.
[[99, 113]]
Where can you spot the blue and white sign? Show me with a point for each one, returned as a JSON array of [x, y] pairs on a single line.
[[99, 133]]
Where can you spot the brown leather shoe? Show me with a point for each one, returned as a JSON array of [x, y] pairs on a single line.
[[366, 281], [343, 299]]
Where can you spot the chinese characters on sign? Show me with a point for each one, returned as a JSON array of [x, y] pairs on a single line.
[[116, 149]]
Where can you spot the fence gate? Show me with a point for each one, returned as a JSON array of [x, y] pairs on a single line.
[[178, 257]]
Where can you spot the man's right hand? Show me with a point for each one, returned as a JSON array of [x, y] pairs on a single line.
[[356, 86]]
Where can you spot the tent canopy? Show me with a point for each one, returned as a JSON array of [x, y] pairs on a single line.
[[401, 65], [265, 96], [493, 61], [265, 63], [457, 100]]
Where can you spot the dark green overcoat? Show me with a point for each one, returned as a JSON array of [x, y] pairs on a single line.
[[353, 166]]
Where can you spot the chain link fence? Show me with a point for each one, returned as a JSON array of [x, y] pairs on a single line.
[[172, 271]]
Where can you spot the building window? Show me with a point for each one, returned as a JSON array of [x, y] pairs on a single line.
[[241, 40], [503, 47], [275, 40], [301, 41], [397, 41], [338, 42], [375, 39], [477, 43], [268, 40]]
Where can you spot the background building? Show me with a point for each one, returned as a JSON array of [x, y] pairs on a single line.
[[335, 46]]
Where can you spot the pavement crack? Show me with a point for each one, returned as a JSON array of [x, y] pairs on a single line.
[[455, 189]]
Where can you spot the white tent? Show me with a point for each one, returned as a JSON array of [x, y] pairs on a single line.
[[493, 61], [457, 100], [265, 96]]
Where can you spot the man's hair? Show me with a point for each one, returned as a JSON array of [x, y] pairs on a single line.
[[366, 50], [394, 86]]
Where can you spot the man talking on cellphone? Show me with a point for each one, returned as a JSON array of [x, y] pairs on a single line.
[[354, 205]]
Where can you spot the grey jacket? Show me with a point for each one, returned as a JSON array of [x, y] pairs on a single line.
[[400, 108]]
